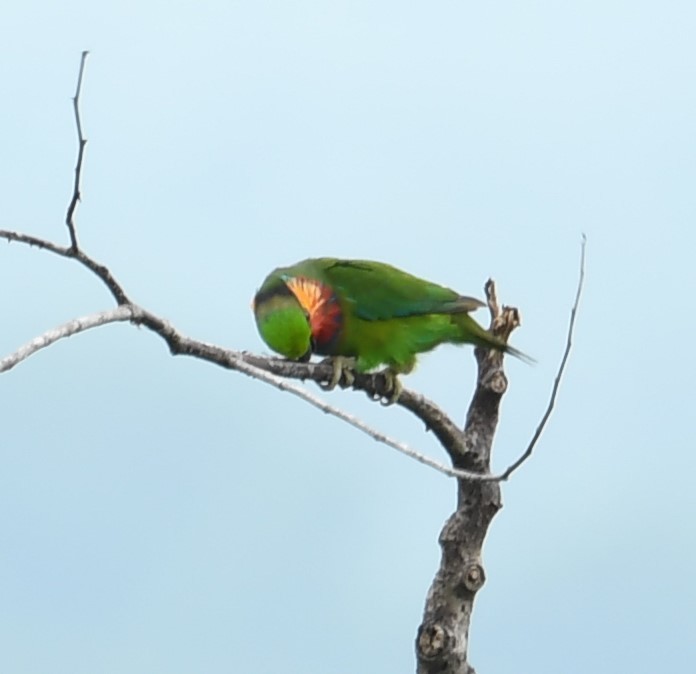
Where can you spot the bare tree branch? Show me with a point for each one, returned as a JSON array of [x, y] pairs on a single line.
[[70, 216], [76, 254], [373, 384], [123, 313], [442, 641], [443, 637], [450, 436], [227, 358], [557, 382]]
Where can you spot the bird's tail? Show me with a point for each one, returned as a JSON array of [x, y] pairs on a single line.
[[471, 332], [512, 351]]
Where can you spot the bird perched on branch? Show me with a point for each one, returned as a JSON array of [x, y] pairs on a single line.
[[364, 314]]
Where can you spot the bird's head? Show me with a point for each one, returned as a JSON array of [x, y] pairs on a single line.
[[283, 322]]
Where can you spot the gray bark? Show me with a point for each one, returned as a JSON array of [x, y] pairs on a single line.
[[443, 636]]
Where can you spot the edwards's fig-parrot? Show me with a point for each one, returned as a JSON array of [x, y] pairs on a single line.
[[364, 314]]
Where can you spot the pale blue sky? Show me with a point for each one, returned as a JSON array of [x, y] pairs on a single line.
[[163, 515]]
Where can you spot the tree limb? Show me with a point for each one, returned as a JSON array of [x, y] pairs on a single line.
[[85, 260], [557, 381], [82, 141], [253, 366], [122, 313], [442, 640], [451, 437]]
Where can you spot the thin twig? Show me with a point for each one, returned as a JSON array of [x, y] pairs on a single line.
[[70, 216], [230, 359], [557, 382], [98, 269], [73, 251], [122, 313], [325, 407], [35, 242], [434, 418], [446, 431], [269, 370]]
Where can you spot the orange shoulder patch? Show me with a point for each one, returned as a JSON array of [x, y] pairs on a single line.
[[322, 307]]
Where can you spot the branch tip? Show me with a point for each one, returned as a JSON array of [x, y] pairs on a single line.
[[559, 374], [271, 370], [82, 142], [492, 299]]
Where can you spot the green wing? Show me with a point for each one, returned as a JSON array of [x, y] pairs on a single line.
[[379, 291]]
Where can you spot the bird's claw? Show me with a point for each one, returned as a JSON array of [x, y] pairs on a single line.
[[343, 374], [342, 368], [392, 388]]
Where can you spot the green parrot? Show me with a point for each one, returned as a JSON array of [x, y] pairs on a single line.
[[364, 314]]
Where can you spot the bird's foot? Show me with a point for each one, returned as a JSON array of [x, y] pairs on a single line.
[[392, 387], [342, 369]]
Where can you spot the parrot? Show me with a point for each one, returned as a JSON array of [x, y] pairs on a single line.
[[363, 314]]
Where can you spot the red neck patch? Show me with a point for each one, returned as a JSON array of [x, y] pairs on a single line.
[[321, 304]]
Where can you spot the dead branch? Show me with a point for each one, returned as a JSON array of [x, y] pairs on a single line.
[[234, 360], [442, 640], [561, 369], [70, 215], [99, 270], [450, 436]]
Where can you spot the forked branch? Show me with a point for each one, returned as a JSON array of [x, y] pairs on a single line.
[[253, 366], [276, 371]]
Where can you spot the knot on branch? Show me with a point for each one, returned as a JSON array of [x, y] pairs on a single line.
[[495, 381], [433, 641], [474, 577]]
